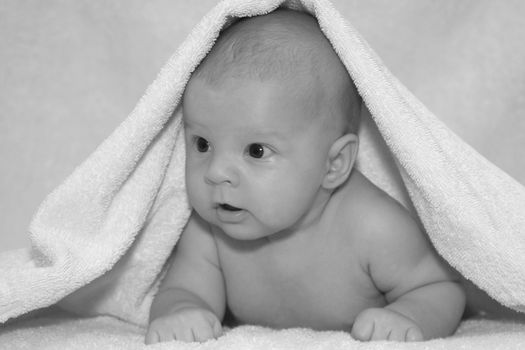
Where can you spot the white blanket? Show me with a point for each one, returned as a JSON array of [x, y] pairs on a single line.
[[58, 330], [101, 239]]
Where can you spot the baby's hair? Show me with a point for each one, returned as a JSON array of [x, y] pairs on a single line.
[[283, 45]]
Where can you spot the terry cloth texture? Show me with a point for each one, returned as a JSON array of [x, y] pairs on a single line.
[[101, 239], [62, 331]]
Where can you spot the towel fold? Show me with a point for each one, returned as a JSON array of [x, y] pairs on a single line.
[[100, 241]]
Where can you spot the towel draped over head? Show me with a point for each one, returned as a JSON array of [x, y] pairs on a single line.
[[100, 241]]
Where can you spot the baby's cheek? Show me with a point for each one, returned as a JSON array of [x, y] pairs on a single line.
[[279, 213], [196, 196]]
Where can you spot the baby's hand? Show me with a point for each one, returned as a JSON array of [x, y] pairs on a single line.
[[188, 325], [384, 324]]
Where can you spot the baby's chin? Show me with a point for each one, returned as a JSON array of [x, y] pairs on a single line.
[[242, 232], [240, 226]]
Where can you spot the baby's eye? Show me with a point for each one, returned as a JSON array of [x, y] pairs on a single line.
[[202, 144], [256, 150]]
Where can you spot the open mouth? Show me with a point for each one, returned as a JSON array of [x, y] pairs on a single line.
[[228, 214], [228, 207]]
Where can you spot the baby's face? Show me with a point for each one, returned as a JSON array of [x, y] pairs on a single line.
[[256, 155]]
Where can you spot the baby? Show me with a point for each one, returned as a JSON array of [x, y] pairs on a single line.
[[284, 232]]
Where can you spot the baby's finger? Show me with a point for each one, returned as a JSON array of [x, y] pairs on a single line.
[[414, 334], [202, 331], [184, 334], [216, 328], [152, 337], [381, 332], [160, 333], [165, 334], [206, 328], [398, 334], [362, 330]]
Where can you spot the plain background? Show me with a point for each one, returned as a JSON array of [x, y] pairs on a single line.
[[71, 71]]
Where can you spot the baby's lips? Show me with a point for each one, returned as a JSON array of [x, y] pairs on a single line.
[[228, 207]]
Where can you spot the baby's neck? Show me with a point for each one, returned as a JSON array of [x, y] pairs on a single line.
[[309, 220], [313, 224]]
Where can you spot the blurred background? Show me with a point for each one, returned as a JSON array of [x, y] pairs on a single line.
[[71, 71]]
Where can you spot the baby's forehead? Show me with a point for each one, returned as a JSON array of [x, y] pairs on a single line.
[[266, 107], [286, 46]]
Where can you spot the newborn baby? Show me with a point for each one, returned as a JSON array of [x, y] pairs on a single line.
[[284, 231]]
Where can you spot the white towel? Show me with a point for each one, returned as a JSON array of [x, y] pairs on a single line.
[[101, 239], [59, 332]]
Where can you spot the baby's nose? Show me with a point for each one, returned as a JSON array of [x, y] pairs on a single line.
[[222, 171]]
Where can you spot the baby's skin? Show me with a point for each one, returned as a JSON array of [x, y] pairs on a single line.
[[285, 232], [281, 254]]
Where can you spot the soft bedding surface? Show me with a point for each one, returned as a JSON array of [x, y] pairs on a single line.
[[59, 330], [100, 241]]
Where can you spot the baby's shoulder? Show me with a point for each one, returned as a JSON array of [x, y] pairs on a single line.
[[372, 214]]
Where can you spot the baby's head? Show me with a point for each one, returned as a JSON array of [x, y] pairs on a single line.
[[270, 118], [286, 47]]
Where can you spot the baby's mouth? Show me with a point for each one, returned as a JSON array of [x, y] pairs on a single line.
[[228, 207], [228, 214]]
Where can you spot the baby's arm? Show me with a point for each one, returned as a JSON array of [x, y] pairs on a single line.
[[191, 301], [425, 299]]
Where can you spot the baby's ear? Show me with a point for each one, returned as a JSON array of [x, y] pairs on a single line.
[[341, 158]]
